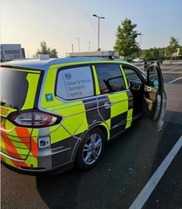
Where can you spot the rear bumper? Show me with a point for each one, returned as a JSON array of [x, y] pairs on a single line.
[[45, 167], [54, 159]]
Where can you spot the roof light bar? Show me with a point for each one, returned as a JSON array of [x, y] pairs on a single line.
[[44, 56], [94, 54]]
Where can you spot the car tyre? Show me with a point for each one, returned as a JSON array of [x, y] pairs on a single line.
[[90, 149]]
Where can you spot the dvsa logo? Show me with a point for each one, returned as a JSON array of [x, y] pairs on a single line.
[[68, 76]]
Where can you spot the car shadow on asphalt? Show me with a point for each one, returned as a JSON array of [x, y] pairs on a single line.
[[127, 165]]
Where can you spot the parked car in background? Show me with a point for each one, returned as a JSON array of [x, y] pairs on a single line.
[[138, 60]]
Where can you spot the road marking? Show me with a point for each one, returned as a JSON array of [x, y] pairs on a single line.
[[175, 80], [154, 180]]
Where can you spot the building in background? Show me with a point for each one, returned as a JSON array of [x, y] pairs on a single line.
[[11, 51]]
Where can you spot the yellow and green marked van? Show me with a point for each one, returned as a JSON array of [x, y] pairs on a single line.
[[57, 113]]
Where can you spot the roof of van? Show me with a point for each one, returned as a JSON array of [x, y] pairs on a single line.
[[43, 64]]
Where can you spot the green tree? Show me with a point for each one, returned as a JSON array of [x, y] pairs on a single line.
[[161, 53], [44, 49], [153, 54], [156, 53], [125, 42], [172, 48]]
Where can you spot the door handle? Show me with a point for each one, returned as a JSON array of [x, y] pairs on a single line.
[[107, 105]]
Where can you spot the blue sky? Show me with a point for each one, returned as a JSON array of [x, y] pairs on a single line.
[[61, 23]]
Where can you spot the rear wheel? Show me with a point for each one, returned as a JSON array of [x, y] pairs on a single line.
[[90, 150]]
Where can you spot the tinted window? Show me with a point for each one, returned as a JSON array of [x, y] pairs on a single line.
[[109, 77], [75, 83], [131, 74], [14, 87]]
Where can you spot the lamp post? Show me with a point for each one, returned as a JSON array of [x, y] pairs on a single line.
[[140, 43], [98, 29]]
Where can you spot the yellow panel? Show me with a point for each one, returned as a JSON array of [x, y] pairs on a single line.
[[129, 118], [97, 89], [49, 87], [75, 118], [59, 135], [120, 103], [125, 79], [32, 161], [73, 122], [32, 88]]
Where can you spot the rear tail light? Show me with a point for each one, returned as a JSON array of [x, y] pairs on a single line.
[[34, 119]]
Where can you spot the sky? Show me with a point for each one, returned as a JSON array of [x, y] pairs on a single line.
[[67, 25]]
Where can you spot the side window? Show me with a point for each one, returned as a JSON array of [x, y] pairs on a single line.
[[131, 74], [75, 83], [110, 78]]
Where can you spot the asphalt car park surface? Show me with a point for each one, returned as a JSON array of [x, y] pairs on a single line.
[[128, 165]]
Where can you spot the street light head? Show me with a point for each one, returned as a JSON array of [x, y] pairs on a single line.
[[98, 16]]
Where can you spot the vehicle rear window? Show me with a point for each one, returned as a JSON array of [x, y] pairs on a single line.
[[14, 87]]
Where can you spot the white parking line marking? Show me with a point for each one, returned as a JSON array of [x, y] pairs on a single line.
[[154, 180], [175, 80]]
